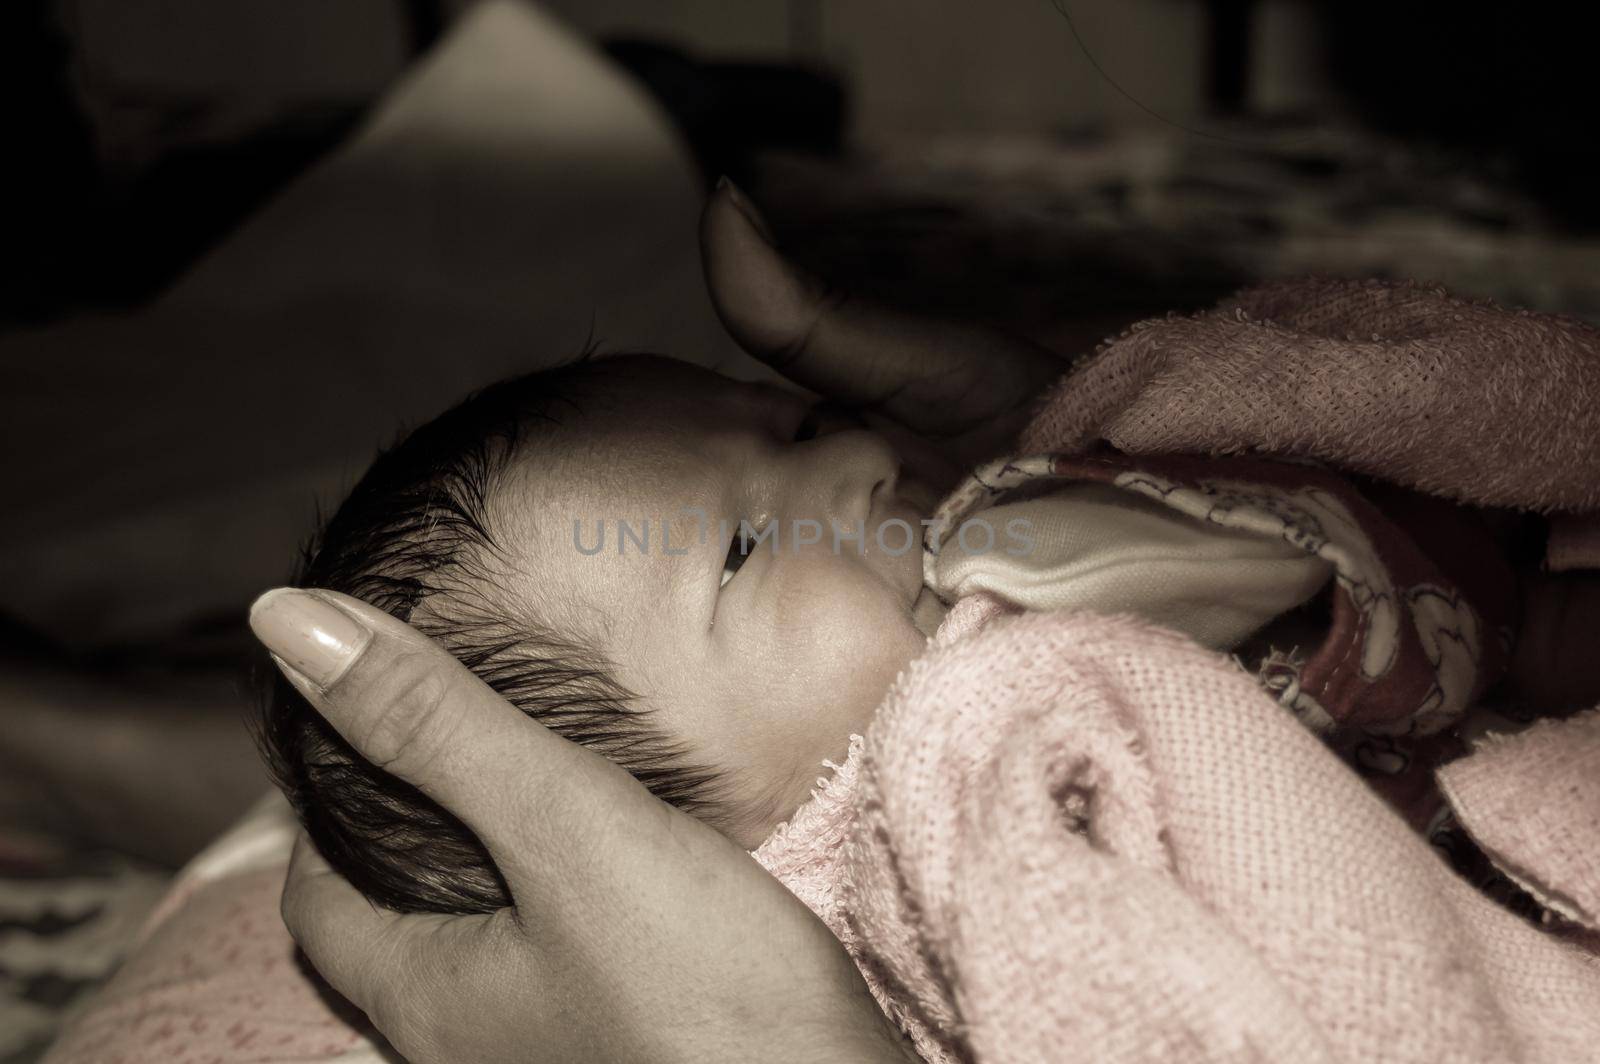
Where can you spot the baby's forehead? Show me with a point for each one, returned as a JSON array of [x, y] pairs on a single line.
[[639, 406], [627, 446], [640, 436]]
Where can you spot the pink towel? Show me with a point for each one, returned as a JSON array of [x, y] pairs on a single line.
[[1458, 398], [1073, 835]]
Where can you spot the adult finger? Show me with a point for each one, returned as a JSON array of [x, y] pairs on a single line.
[[338, 928], [410, 708], [403, 971], [940, 378]]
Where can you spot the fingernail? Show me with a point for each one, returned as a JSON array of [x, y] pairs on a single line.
[[307, 633], [748, 209]]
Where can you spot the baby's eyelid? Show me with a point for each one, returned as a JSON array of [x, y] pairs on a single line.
[[733, 560], [741, 544]]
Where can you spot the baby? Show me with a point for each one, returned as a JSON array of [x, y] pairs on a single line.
[[715, 583], [682, 571]]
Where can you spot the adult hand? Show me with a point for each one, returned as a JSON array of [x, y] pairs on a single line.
[[636, 932], [965, 389], [968, 391]]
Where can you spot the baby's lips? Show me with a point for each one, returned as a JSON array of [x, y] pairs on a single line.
[[897, 520]]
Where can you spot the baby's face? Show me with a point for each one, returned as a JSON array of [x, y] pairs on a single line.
[[762, 661]]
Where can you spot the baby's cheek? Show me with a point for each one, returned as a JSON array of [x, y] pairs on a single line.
[[812, 678], [851, 637]]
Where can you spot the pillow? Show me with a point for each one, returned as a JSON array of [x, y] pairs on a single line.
[[513, 196], [216, 976]]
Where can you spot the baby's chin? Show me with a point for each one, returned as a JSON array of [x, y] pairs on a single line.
[[754, 824]]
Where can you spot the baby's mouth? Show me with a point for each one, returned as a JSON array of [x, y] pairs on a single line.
[[928, 612], [895, 518]]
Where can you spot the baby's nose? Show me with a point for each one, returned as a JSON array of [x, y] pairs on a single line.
[[844, 472]]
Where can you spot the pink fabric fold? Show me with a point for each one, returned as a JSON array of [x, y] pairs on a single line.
[[1067, 835], [1455, 397], [1532, 801]]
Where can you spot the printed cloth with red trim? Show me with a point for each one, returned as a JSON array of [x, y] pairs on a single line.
[[1419, 618]]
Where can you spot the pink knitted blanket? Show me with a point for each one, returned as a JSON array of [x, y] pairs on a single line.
[[1073, 836]]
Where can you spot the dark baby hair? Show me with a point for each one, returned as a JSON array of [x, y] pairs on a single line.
[[418, 529]]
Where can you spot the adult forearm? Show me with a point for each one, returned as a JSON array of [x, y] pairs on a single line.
[[151, 769]]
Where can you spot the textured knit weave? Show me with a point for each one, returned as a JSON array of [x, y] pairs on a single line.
[[1067, 830], [1532, 801], [1459, 398]]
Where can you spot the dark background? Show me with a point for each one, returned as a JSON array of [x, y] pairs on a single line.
[[133, 144]]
